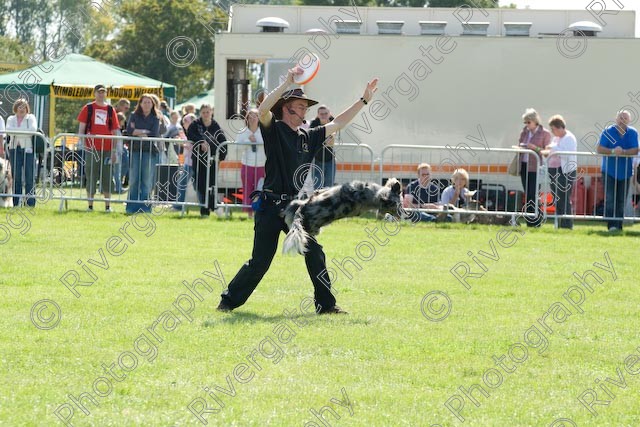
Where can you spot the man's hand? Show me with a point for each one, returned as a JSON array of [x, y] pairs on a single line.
[[407, 201], [370, 89], [264, 110], [346, 116], [618, 150], [292, 72]]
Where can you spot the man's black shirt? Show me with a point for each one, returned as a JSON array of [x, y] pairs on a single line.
[[287, 151]]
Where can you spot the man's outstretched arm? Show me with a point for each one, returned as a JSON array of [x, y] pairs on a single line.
[[346, 116], [264, 111]]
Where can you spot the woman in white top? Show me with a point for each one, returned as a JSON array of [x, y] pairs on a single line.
[[457, 194], [21, 152], [562, 168], [253, 158]]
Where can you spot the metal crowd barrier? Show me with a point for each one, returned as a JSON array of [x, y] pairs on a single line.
[[578, 188], [498, 192], [235, 180], [74, 168], [62, 169], [22, 174]]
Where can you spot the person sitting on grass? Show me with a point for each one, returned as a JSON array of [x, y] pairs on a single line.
[[457, 194], [422, 193]]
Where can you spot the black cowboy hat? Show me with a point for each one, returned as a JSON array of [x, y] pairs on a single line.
[[288, 96]]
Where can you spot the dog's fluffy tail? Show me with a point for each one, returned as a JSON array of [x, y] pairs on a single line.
[[297, 237]]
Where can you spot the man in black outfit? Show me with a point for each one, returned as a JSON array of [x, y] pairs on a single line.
[[207, 136], [289, 151]]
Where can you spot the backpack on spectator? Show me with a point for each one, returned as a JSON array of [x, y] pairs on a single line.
[[40, 142], [90, 117]]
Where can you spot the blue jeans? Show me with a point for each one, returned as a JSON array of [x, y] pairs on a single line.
[[22, 165], [125, 164], [615, 196], [81, 162], [324, 174], [141, 180], [416, 216], [185, 178], [561, 187], [116, 172]]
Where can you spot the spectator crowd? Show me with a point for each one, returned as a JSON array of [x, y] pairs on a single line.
[[113, 165]]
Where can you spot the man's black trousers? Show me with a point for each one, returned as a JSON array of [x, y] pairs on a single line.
[[267, 228], [202, 170]]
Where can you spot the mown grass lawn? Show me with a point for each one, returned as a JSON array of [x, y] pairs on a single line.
[[384, 364]]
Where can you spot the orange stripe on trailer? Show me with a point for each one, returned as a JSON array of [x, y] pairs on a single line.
[[352, 167], [230, 165], [399, 168], [490, 169]]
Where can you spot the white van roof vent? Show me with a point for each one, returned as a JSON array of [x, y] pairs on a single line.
[[517, 29], [272, 24], [585, 28], [475, 28]]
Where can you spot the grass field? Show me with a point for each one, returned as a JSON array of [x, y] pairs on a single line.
[[124, 342]]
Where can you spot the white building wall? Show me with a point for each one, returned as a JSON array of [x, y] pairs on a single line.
[[485, 82], [301, 19]]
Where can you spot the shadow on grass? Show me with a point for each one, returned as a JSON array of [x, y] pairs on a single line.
[[239, 317], [253, 318], [606, 233]]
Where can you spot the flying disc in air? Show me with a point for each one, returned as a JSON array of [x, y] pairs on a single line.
[[309, 64]]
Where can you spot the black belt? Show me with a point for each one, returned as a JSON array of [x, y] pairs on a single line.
[[272, 197]]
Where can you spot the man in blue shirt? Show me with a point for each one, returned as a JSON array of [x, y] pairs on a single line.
[[422, 193], [617, 140]]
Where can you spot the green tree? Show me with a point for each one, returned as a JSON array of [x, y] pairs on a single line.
[[159, 39], [4, 17], [11, 50], [485, 4], [81, 23], [66, 114], [28, 19], [72, 23], [401, 3], [359, 3]]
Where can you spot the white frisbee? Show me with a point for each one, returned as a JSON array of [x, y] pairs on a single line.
[[310, 64]]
